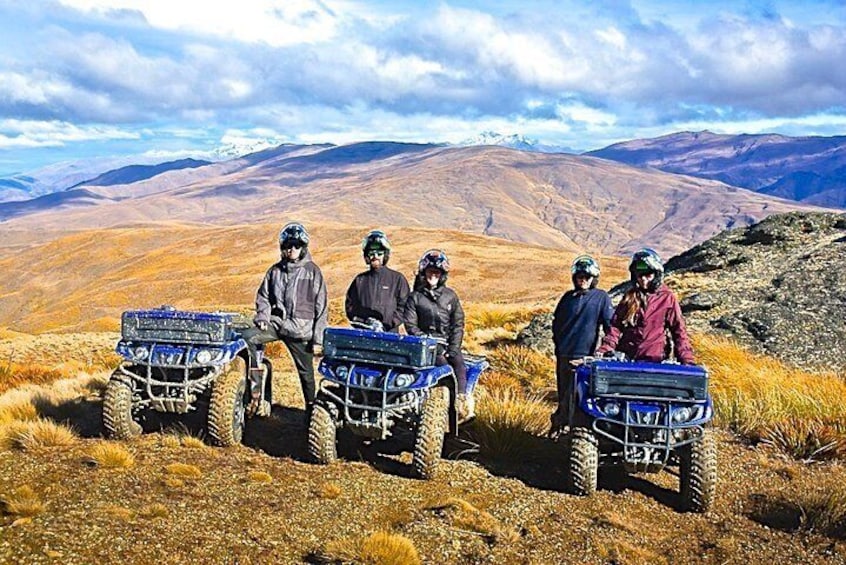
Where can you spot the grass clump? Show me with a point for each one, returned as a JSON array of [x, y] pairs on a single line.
[[508, 423], [259, 477], [378, 548], [23, 501], [184, 470], [156, 510], [118, 513], [111, 456], [329, 491], [13, 375], [532, 369], [820, 509], [37, 434], [16, 406], [799, 413], [463, 515], [173, 482]]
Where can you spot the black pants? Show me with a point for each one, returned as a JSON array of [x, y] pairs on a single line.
[[458, 367], [564, 374], [300, 351]]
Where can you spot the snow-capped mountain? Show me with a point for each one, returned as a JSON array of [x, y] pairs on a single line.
[[513, 141]]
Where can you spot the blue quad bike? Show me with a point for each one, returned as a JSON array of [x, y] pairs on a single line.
[[375, 384], [643, 417], [176, 362]]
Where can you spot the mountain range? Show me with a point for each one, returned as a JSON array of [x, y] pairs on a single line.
[[805, 169], [550, 199]]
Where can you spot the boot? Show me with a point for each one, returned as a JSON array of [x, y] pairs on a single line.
[[257, 407], [465, 407]]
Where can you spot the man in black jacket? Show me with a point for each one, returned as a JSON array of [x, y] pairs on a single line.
[[378, 293], [433, 309], [575, 330]]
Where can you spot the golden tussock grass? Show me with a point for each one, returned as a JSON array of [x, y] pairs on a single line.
[[156, 510], [110, 455], [182, 438], [13, 375], [819, 508], [23, 501], [798, 412], [378, 548], [509, 317], [170, 441], [824, 512], [465, 516], [497, 380], [259, 477], [36, 434], [329, 491], [118, 513], [184, 470], [193, 442], [16, 405], [508, 422], [173, 482], [535, 371]]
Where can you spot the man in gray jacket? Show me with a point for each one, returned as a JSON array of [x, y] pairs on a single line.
[[291, 306]]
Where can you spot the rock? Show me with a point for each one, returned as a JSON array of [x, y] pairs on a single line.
[[538, 334], [699, 301]]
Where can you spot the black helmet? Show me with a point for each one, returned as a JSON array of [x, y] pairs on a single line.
[[294, 234], [588, 265], [647, 261], [376, 241], [434, 258]]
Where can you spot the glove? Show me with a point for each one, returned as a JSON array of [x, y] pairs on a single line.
[[261, 324], [609, 354], [317, 350]]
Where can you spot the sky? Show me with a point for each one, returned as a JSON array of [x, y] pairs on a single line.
[[171, 78]]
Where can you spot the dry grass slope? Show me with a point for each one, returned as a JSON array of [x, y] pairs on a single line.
[[800, 413]]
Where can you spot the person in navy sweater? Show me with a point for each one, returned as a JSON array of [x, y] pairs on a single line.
[[575, 331]]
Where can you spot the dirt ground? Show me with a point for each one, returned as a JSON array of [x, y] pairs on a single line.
[[230, 513]]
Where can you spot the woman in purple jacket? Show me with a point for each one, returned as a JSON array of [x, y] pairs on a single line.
[[645, 314]]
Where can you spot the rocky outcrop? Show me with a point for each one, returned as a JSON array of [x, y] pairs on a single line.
[[778, 286]]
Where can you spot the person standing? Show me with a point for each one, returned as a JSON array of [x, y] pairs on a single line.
[[646, 315], [378, 293], [291, 306], [579, 315]]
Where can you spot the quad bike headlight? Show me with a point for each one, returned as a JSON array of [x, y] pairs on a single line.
[[203, 356], [342, 372], [140, 353], [682, 414], [611, 409], [403, 380]]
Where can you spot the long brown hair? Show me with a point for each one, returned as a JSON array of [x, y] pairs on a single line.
[[633, 300]]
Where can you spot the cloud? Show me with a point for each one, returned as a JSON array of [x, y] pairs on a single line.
[[564, 72], [292, 22], [26, 133]]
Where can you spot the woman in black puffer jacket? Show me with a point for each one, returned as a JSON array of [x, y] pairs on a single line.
[[433, 309]]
